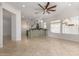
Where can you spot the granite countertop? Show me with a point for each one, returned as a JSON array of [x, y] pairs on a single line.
[[36, 29]]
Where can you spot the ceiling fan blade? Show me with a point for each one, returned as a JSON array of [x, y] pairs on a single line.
[[41, 6], [47, 5], [51, 7], [44, 12], [51, 10], [48, 12]]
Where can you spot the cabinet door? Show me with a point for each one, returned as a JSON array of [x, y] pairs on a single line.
[[37, 33]]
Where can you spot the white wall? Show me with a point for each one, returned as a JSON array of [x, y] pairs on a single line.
[[1, 27], [16, 26]]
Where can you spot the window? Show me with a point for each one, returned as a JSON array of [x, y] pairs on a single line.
[[55, 26], [71, 25], [45, 25], [67, 26]]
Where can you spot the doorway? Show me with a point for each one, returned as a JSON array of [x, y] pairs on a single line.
[[7, 31]]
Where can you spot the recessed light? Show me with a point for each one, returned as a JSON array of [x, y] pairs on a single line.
[[23, 6]]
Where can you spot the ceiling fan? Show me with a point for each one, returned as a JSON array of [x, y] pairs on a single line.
[[48, 9]]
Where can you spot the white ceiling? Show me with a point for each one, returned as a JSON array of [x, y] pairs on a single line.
[[33, 11]]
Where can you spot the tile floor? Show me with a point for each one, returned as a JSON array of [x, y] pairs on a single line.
[[40, 47]]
